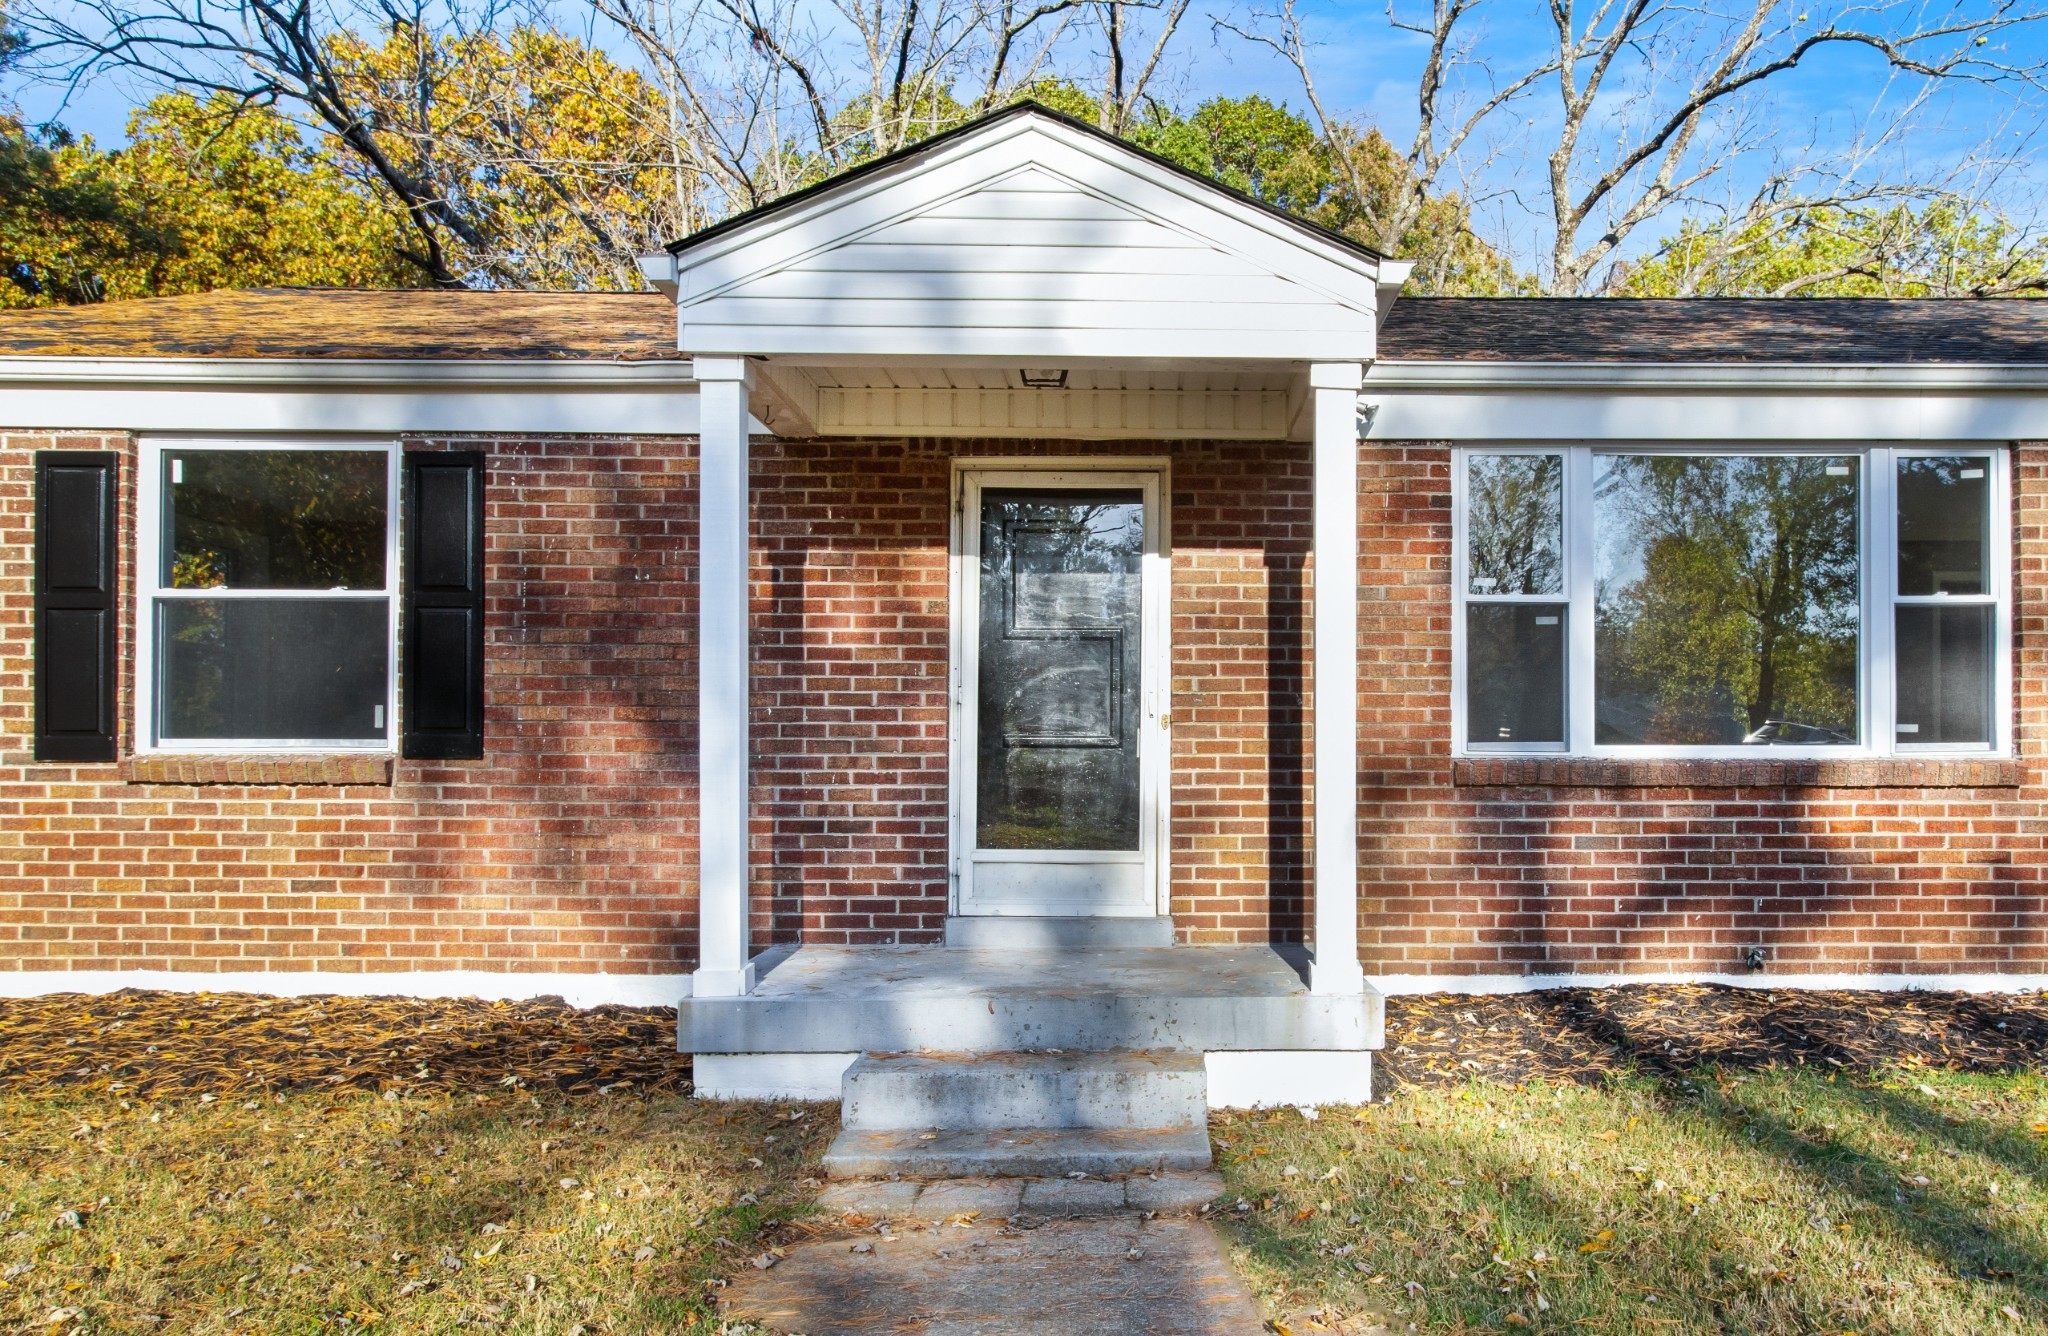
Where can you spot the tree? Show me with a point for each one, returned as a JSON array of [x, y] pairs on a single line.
[[1344, 183], [1655, 103], [538, 142], [1946, 248], [492, 137], [205, 196]]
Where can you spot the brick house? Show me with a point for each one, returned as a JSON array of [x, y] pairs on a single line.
[[1021, 572]]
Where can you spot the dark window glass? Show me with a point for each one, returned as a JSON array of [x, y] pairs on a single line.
[[1726, 600], [1514, 519], [1943, 654], [1944, 508], [273, 669], [1061, 579], [1514, 666], [275, 519]]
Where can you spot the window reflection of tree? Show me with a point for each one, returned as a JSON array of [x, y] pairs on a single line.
[[1514, 509], [1727, 604], [278, 519], [1099, 539]]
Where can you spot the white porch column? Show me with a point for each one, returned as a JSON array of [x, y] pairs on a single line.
[[724, 968], [1335, 386]]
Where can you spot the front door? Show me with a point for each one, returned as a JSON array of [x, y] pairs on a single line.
[[1059, 676]]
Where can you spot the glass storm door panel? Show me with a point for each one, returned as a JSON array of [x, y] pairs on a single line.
[[1058, 711]]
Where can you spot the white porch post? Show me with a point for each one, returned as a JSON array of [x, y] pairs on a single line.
[[1335, 386], [723, 966]]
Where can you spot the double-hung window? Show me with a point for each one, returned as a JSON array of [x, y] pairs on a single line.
[[267, 615], [1659, 601]]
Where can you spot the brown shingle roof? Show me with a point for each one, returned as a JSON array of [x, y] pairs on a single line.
[[348, 323], [1789, 329], [640, 326]]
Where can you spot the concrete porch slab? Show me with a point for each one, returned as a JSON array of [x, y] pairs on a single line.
[[1191, 999]]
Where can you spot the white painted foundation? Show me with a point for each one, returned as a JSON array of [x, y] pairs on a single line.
[[1409, 985], [1258, 1079], [769, 1075], [578, 990]]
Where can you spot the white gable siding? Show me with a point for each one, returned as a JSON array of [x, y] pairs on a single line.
[[1034, 245]]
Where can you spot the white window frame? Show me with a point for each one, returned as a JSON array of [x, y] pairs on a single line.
[[150, 592], [1877, 524]]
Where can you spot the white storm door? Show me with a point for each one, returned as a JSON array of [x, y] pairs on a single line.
[[1059, 645]]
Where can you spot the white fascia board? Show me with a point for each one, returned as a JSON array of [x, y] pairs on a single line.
[[1004, 347], [379, 397], [920, 184], [1729, 413], [337, 371], [1867, 376]]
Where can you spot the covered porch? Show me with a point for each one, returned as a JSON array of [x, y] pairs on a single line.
[[1027, 280]]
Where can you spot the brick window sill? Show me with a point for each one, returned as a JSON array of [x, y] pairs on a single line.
[[1893, 773], [260, 769]]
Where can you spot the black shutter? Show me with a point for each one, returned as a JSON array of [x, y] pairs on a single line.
[[441, 677], [75, 605]]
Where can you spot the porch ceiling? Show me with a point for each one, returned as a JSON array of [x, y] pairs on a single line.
[[990, 399]]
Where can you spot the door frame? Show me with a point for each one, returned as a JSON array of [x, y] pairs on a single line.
[[1152, 474]]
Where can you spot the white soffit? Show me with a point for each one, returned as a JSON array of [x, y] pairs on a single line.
[[1027, 238]]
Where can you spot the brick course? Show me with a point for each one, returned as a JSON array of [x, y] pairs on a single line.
[[571, 846]]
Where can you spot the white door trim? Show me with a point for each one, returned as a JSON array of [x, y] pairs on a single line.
[[1152, 476]]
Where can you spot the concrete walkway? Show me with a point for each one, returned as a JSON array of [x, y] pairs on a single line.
[[1108, 1274]]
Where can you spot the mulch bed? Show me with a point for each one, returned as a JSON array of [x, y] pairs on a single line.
[[1586, 1035], [155, 1043]]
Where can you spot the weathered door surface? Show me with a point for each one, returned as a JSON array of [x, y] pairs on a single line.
[[1059, 709]]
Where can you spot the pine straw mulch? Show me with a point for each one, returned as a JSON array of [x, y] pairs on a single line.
[[158, 1043], [1585, 1035]]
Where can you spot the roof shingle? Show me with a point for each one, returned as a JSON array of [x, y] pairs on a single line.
[[351, 323], [1692, 329]]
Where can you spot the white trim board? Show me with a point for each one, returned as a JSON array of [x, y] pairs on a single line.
[[1487, 985], [381, 409], [1723, 413], [578, 990]]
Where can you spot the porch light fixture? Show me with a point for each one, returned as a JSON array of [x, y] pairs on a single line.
[[1043, 378]]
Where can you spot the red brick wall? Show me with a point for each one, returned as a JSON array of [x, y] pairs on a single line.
[[571, 846], [850, 707], [1910, 867]]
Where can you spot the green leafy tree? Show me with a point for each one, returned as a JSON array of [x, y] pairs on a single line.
[[204, 196], [1945, 248]]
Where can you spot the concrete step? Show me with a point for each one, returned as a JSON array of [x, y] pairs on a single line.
[[1003, 1198], [915, 1092], [1015, 1152]]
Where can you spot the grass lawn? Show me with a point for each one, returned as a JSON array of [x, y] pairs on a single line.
[[337, 1212], [1651, 1160], [230, 1163], [1801, 1199]]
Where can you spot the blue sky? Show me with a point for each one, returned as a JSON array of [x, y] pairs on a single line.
[[1366, 70]]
